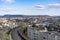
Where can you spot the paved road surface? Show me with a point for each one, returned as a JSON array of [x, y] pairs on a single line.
[[15, 34]]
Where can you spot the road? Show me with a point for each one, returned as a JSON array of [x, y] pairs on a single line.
[[21, 32], [15, 34]]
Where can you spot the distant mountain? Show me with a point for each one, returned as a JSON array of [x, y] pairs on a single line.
[[13, 15], [10, 16], [26, 16]]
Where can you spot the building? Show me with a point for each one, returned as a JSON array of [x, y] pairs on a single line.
[[41, 33], [36, 34]]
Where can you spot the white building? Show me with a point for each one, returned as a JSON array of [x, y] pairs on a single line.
[[36, 34], [9, 25], [0, 26]]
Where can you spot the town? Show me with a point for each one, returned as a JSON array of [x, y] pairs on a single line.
[[29, 19], [25, 27]]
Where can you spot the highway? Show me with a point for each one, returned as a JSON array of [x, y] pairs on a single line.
[[15, 35]]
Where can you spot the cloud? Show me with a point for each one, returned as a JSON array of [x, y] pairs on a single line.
[[5, 10], [8, 1], [54, 5], [49, 9], [39, 7], [34, 10]]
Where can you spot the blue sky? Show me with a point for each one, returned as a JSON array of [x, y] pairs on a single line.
[[30, 7]]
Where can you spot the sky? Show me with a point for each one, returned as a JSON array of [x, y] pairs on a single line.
[[30, 7]]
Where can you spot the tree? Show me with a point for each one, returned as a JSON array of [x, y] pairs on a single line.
[[33, 25]]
